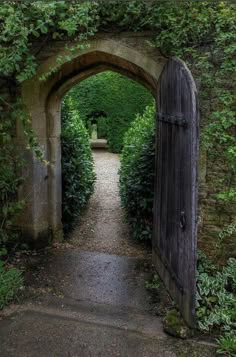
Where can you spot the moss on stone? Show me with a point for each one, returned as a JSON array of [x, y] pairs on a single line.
[[174, 325]]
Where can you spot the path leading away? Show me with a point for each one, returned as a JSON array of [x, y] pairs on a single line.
[[103, 228], [88, 298]]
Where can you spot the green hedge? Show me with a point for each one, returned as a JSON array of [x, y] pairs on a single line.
[[114, 95], [78, 175], [137, 173]]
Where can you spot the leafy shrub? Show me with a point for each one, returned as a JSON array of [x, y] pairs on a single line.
[[78, 175], [216, 301], [10, 282], [137, 173]]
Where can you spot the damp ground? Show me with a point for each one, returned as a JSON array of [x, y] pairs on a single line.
[[88, 297], [103, 227]]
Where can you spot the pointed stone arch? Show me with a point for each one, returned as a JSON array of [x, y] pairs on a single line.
[[178, 138], [41, 221]]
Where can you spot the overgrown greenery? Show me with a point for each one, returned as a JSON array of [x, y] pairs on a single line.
[[118, 97], [10, 163], [10, 282], [78, 175], [204, 36], [216, 301], [201, 33], [137, 174]]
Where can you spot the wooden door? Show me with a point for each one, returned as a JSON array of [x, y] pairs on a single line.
[[175, 202]]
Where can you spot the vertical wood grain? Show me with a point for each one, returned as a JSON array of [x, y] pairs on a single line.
[[174, 249]]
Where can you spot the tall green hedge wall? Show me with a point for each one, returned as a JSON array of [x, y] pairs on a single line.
[[137, 174], [115, 95], [78, 176]]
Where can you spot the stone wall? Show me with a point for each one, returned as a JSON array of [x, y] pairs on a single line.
[[126, 53], [214, 214]]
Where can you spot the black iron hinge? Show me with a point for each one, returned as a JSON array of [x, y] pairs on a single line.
[[172, 119]]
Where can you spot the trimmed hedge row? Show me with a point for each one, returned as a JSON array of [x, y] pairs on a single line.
[[137, 174], [78, 175]]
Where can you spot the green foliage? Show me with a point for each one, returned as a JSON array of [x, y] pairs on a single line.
[[137, 174], [10, 282], [216, 301], [226, 233], [20, 24], [10, 164], [42, 20], [78, 175], [203, 34], [227, 345], [118, 97], [154, 283]]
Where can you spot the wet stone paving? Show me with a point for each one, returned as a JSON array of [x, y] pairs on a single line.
[[87, 297]]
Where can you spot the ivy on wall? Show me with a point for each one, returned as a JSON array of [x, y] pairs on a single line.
[[201, 33], [118, 97]]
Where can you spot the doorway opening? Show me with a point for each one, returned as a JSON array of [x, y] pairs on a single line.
[[175, 203], [112, 103]]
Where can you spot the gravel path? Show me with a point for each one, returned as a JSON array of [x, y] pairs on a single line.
[[102, 227]]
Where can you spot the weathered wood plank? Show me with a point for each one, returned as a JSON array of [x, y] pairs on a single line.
[[175, 202]]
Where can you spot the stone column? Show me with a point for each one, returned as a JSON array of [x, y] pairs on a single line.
[[34, 221], [54, 169]]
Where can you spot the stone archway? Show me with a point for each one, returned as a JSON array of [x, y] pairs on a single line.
[[41, 221], [175, 202]]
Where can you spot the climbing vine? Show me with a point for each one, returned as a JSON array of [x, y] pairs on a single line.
[[204, 36], [201, 33], [22, 23]]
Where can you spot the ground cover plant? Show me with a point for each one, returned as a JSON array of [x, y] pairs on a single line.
[[117, 97], [203, 34], [216, 301]]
